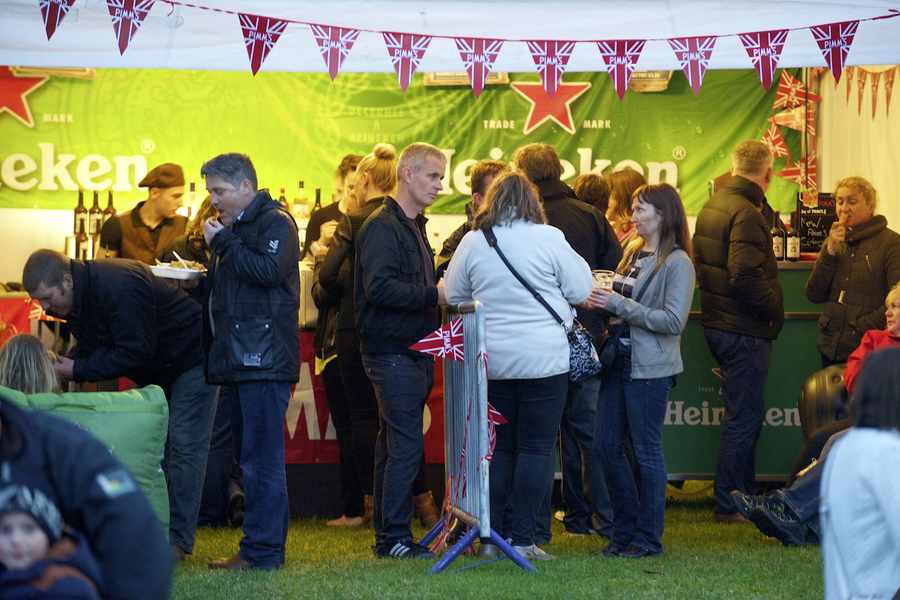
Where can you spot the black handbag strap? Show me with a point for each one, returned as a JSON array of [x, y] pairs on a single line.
[[492, 242]]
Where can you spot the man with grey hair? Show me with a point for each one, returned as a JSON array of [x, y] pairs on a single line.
[[250, 343], [742, 311], [396, 306]]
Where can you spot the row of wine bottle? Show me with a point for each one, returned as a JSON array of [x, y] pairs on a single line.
[[785, 243], [299, 204], [88, 222]]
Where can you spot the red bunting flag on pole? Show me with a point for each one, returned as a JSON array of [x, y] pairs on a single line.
[[876, 77], [791, 92], [861, 76], [260, 35], [693, 53], [889, 89], [494, 419], [834, 40], [444, 342], [334, 45], [406, 51], [127, 16], [775, 141], [799, 118], [551, 57], [478, 56], [621, 58], [53, 12], [764, 49], [804, 172]]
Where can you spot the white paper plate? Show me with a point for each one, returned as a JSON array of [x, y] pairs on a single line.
[[174, 273]]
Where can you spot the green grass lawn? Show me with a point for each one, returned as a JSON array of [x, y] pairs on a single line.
[[702, 560]]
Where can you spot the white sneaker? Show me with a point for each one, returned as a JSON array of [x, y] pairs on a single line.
[[533, 552]]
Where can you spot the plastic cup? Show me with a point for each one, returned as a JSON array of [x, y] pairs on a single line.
[[603, 279]]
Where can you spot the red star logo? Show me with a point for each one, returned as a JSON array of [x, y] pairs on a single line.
[[13, 91], [543, 107]]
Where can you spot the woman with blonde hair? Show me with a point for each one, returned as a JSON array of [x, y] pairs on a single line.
[[25, 365], [649, 301], [528, 348], [622, 185]]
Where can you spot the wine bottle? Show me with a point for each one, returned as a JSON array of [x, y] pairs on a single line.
[[778, 237], [301, 208], [318, 203], [792, 244], [95, 216], [282, 199], [82, 243], [81, 213], [109, 212]]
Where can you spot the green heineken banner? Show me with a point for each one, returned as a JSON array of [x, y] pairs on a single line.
[[103, 129]]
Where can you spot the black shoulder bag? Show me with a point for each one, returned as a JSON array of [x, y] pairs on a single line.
[[583, 360]]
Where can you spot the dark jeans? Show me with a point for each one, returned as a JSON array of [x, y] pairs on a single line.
[[813, 448], [260, 429], [635, 407], [339, 407], [223, 471], [533, 409], [744, 362], [582, 462], [802, 496], [363, 407], [192, 409], [402, 383]]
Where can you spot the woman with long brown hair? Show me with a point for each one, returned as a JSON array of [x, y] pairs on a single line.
[[649, 302], [25, 365], [622, 185]]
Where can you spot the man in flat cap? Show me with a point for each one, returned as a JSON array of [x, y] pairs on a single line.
[[143, 232]]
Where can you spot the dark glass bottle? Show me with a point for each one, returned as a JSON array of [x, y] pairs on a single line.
[[318, 203], [81, 213], [110, 211], [82, 243], [95, 216], [779, 236], [792, 244]]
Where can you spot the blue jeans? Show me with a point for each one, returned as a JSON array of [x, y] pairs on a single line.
[[260, 429], [636, 407], [744, 362], [582, 461], [533, 408], [402, 383], [192, 409]]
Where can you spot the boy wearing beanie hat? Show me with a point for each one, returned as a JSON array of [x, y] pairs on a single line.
[[37, 558], [143, 232]]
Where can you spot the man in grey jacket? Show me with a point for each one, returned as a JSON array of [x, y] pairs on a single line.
[[743, 310]]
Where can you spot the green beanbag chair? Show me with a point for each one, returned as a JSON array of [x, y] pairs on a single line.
[[133, 424]]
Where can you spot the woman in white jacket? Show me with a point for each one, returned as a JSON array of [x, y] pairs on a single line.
[[528, 352], [650, 302]]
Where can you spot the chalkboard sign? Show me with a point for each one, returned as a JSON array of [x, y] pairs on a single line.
[[815, 223]]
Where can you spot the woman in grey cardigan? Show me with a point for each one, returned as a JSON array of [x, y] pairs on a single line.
[[649, 303]]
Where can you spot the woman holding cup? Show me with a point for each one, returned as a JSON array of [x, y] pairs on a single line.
[[649, 301]]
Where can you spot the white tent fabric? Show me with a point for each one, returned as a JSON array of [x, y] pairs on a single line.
[[179, 37]]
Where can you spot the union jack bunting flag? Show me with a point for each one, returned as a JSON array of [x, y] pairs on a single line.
[[550, 57], [260, 35], [775, 141], [478, 56], [693, 53], [127, 16], [798, 118], [764, 49], [445, 342], [876, 78], [861, 77], [53, 12], [834, 40], [889, 76], [804, 172], [621, 58], [334, 45], [848, 79], [494, 419], [791, 92], [406, 51]]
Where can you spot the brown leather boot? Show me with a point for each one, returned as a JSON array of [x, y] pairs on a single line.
[[426, 509], [368, 510]]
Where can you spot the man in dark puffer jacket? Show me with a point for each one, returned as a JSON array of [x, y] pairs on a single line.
[[743, 310], [857, 266]]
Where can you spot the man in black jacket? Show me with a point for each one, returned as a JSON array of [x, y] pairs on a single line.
[[743, 310], [130, 324], [590, 235], [95, 495], [396, 306], [251, 344]]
